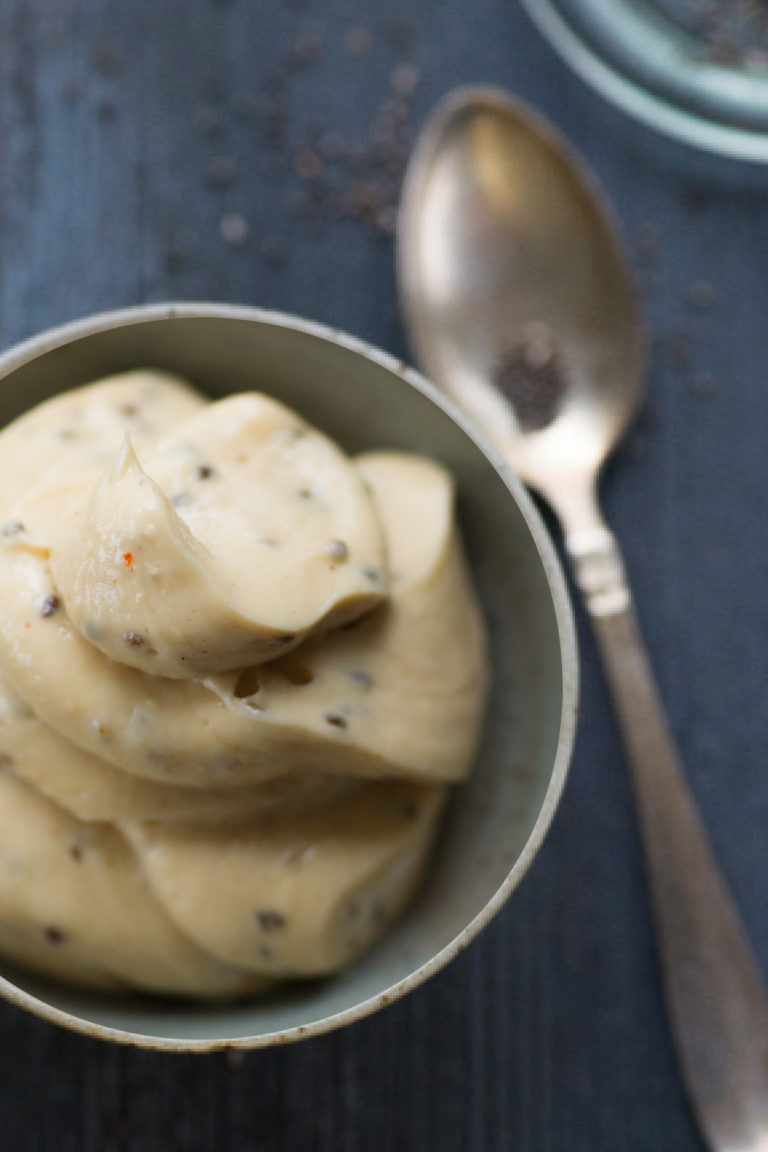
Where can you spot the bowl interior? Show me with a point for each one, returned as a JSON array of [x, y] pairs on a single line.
[[363, 403]]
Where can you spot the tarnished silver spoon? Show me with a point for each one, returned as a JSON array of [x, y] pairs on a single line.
[[516, 293]]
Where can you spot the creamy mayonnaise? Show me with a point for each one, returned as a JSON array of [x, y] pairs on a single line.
[[238, 670]]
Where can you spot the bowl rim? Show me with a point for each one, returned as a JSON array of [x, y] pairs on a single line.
[[50, 339]]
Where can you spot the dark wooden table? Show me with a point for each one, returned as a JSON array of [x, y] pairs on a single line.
[[250, 151]]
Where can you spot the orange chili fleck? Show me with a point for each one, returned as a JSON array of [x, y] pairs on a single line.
[[128, 559]]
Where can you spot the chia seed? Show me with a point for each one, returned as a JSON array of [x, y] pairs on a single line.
[[50, 606]]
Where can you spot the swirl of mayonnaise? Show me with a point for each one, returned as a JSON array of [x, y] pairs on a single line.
[[238, 670]]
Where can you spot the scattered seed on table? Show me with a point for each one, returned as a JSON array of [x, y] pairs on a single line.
[[358, 41], [307, 165], [221, 172], [106, 60], [679, 351], [307, 46], [206, 120], [704, 384], [274, 253], [405, 79], [701, 296], [106, 109], [233, 228], [72, 89]]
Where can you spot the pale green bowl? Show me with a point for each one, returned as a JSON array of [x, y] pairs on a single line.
[[364, 399]]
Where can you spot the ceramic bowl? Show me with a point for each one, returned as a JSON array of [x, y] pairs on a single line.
[[364, 399]]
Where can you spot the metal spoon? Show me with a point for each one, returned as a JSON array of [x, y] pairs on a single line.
[[519, 304]]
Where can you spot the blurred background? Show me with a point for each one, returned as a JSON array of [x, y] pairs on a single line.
[[252, 151]]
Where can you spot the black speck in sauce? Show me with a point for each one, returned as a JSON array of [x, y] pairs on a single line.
[[76, 852], [50, 606], [133, 639], [129, 409], [204, 472], [530, 374], [372, 574], [53, 934], [180, 499], [305, 493], [360, 677], [12, 528], [336, 720], [268, 920]]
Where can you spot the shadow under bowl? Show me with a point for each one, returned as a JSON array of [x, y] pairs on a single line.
[[364, 399]]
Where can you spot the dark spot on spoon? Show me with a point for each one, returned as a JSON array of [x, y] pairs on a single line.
[[531, 376]]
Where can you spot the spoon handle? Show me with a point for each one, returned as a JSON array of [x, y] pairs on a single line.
[[715, 995]]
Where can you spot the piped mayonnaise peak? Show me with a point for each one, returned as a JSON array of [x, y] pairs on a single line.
[[247, 532]]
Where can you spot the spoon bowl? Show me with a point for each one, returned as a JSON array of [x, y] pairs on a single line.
[[516, 288]]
